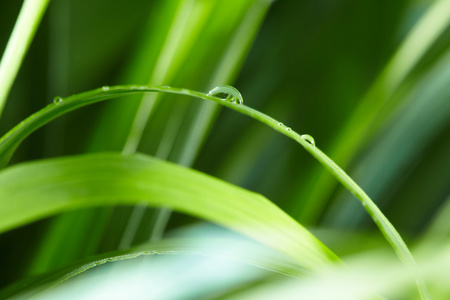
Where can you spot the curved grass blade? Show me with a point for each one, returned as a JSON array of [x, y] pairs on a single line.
[[245, 252], [32, 191], [17, 134]]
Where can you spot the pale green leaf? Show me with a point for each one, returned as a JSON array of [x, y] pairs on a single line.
[[230, 249]]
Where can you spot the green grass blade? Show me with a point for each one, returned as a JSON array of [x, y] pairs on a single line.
[[12, 138], [33, 191], [226, 71], [21, 37]]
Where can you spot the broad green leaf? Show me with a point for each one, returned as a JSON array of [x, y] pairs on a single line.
[[32, 191]]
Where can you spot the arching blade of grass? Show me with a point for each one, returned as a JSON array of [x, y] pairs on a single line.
[[17, 134], [242, 251], [21, 37], [36, 190]]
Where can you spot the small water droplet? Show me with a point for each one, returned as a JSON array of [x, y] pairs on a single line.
[[105, 88], [134, 87], [288, 129], [57, 99], [309, 139], [228, 93], [280, 124]]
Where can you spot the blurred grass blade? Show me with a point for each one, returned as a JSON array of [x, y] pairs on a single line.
[[403, 141], [206, 112], [364, 276], [225, 73], [32, 191], [21, 37], [354, 134], [242, 251], [184, 30], [421, 38], [440, 227], [172, 50]]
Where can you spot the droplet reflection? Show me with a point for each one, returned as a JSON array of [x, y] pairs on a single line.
[[309, 139], [227, 93]]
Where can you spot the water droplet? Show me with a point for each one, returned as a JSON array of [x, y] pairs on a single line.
[[280, 124], [288, 129], [57, 99], [105, 88], [309, 139], [228, 93]]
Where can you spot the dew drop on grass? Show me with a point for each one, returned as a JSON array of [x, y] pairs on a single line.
[[288, 129], [227, 93], [57, 99], [309, 139], [105, 88]]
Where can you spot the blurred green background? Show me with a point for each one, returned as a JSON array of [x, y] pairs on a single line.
[[324, 68]]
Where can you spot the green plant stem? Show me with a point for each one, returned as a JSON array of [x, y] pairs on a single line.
[[61, 106], [28, 21]]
